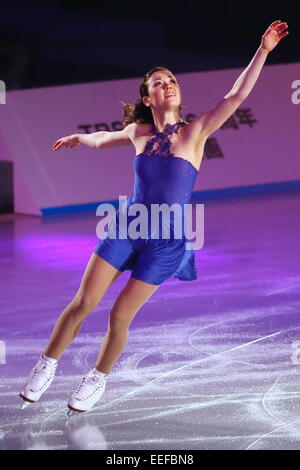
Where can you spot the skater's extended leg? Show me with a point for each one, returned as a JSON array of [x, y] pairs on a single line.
[[128, 303], [98, 276]]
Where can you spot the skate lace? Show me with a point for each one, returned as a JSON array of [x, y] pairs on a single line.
[[90, 385], [40, 375]]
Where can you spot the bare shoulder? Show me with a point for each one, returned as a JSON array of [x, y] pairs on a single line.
[[137, 129], [108, 139], [129, 130], [210, 121], [194, 128], [131, 134]]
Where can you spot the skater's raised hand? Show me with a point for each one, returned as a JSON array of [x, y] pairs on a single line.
[[69, 141], [275, 32]]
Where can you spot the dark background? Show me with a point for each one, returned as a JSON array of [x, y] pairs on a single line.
[[50, 43]]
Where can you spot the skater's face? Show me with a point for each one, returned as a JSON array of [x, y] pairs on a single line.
[[163, 90]]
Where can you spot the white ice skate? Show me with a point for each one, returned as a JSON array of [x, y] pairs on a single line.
[[40, 378], [88, 393]]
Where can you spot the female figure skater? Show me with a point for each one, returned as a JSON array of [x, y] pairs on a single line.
[[170, 150]]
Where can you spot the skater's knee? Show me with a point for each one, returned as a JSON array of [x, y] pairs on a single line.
[[119, 320], [83, 305]]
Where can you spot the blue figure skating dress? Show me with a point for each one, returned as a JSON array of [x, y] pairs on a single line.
[[160, 177]]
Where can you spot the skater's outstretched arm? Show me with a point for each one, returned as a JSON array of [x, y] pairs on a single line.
[[99, 140], [211, 120]]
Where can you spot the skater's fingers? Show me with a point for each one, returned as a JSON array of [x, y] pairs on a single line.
[[60, 143], [69, 142], [57, 146]]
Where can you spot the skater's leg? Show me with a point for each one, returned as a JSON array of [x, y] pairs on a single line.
[[129, 301], [112, 281], [98, 276]]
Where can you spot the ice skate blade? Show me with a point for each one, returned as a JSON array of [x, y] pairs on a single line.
[[72, 412], [25, 404], [26, 401]]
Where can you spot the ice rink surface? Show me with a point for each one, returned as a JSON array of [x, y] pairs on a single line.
[[209, 364]]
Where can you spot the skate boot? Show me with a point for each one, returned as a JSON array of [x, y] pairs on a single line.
[[39, 380], [88, 393]]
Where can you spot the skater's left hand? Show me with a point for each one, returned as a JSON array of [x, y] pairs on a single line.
[[275, 32]]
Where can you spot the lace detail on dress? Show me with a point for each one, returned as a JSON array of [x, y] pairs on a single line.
[[162, 140]]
